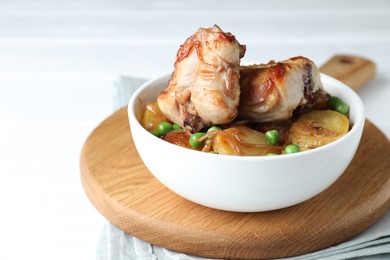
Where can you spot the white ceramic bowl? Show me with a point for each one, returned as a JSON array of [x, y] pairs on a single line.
[[245, 184]]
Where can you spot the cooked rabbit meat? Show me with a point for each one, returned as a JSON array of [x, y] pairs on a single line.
[[271, 92], [204, 87]]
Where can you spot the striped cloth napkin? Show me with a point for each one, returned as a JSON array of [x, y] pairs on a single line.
[[115, 244]]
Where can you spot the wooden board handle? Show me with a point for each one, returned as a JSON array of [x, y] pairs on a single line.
[[352, 70]]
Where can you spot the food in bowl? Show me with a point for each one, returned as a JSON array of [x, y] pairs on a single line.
[[244, 183], [212, 104]]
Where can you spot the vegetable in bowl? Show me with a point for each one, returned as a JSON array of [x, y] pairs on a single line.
[[305, 131]]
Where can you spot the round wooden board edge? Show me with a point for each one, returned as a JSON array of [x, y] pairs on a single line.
[[101, 206]]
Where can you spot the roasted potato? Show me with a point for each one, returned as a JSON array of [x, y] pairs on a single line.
[[152, 117], [179, 137], [241, 140], [317, 128]]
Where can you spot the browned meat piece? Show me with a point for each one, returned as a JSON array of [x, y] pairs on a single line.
[[204, 87], [272, 92]]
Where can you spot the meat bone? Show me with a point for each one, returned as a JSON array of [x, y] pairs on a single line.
[[354, 71]]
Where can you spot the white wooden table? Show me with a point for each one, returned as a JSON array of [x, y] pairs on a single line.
[[58, 62]]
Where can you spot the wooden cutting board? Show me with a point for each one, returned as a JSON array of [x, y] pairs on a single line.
[[123, 190]]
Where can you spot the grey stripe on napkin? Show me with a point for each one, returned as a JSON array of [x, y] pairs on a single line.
[[114, 244]]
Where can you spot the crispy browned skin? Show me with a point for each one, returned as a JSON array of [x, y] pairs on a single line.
[[204, 87], [272, 92]]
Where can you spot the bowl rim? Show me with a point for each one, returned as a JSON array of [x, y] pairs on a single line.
[[358, 124]]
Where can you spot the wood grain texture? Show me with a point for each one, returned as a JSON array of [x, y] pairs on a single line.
[[123, 190], [353, 70]]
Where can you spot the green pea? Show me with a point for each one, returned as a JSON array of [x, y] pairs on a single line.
[[272, 154], [272, 136], [164, 127], [292, 148], [177, 127], [194, 140], [336, 104], [155, 133], [212, 152], [211, 129], [342, 108], [333, 102]]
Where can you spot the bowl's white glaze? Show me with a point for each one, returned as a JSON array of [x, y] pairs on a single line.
[[245, 184]]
